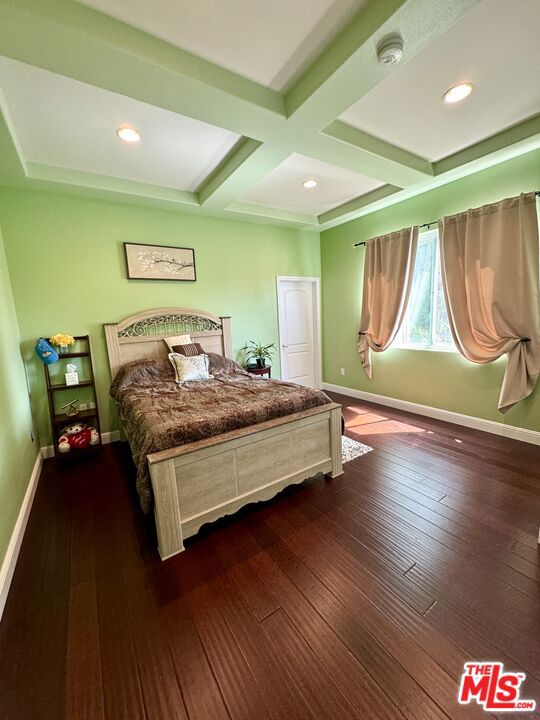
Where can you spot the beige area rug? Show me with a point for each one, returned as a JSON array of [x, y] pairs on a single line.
[[351, 449]]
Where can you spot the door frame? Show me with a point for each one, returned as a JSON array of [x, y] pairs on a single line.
[[317, 338]]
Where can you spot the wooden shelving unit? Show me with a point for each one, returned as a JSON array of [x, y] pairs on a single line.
[[90, 416]]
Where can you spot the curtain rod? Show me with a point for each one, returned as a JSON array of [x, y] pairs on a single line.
[[425, 225]]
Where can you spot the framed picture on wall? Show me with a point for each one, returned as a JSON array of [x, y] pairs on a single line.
[[159, 262]]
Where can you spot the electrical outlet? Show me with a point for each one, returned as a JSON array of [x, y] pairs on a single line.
[[343, 371]]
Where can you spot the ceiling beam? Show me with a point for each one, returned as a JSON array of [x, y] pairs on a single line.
[[302, 220], [344, 145], [476, 156], [38, 174], [12, 164], [240, 173], [348, 211], [234, 160]]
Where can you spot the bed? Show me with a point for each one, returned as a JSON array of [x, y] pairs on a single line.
[[199, 473]]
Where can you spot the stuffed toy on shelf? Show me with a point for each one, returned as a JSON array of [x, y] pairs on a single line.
[[46, 352], [77, 436]]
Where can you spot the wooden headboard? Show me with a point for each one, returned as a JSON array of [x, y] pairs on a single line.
[[140, 336]]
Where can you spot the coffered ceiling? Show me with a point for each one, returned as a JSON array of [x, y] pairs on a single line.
[[238, 103], [69, 124], [496, 46], [283, 186], [271, 43]]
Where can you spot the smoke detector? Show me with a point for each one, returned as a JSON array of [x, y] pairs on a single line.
[[390, 50]]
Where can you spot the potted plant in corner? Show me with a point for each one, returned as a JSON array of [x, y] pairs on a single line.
[[259, 353]]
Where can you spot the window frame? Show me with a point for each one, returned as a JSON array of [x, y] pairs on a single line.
[[399, 342]]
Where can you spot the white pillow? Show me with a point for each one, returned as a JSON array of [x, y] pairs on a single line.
[[177, 340], [190, 367]]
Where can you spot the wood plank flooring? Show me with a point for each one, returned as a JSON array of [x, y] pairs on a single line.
[[360, 597]]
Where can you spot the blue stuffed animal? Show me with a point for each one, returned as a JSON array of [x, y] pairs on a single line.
[[46, 352]]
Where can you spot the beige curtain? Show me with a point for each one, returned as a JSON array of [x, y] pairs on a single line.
[[388, 272], [489, 264]]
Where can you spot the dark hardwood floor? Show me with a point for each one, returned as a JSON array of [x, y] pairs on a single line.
[[360, 597]]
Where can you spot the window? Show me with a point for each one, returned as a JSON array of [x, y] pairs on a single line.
[[425, 325]]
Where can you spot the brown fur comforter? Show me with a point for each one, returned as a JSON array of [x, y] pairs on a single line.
[[158, 414]]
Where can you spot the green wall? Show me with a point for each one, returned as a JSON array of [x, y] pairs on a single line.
[[438, 379], [17, 452], [67, 271]]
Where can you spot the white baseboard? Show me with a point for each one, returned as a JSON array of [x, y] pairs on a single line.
[[12, 553], [106, 438], [509, 431]]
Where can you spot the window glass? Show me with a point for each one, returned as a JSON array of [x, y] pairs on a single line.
[[426, 321]]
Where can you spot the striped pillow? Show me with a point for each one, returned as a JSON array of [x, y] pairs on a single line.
[[190, 349]]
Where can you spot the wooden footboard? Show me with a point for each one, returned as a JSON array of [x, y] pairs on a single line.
[[203, 481]]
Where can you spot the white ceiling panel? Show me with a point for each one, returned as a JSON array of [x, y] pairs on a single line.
[[269, 42], [496, 47], [282, 188], [69, 124]]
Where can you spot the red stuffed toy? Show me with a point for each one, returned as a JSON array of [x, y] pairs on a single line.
[[78, 436]]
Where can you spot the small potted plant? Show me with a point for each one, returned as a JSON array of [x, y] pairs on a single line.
[[259, 353]]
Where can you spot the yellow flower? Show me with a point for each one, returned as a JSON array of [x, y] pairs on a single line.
[[62, 339]]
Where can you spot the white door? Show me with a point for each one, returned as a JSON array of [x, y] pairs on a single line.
[[298, 307]]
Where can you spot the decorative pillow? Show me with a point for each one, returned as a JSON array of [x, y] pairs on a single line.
[[189, 349], [187, 368], [177, 340]]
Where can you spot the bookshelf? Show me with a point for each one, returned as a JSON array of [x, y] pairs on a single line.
[[58, 394]]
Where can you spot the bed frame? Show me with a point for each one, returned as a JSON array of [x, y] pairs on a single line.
[[200, 482]]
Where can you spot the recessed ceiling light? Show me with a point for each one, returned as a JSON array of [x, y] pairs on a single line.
[[310, 184], [128, 134], [457, 93]]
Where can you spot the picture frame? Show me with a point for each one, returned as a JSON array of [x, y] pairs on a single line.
[[159, 262]]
